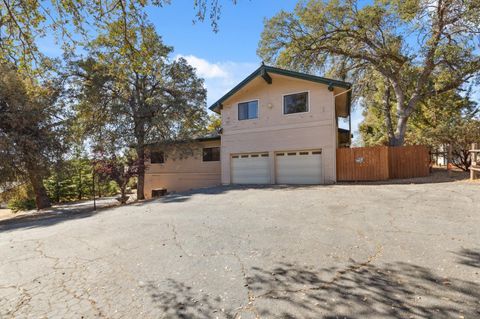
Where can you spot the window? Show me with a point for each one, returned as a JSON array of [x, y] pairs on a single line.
[[211, 154], [295, 103], [157, 157], [248, 110]]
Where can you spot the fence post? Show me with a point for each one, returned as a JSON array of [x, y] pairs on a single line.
[[449, 159], [473, 161]]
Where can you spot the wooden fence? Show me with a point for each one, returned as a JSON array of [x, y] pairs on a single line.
[[382, 163]]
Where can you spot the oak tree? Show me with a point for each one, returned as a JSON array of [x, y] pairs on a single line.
[[30, 130], [420, 49], [131, 90]]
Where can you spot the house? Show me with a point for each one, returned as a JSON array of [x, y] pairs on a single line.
[[278, 127], [182, 167]]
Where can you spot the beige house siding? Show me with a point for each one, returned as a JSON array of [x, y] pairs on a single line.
[[183, 174], [273, 131]]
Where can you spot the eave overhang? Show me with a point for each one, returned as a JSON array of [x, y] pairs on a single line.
[[264, 71]]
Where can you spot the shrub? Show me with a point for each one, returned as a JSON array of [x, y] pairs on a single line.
[[21, 204], [20, 198]]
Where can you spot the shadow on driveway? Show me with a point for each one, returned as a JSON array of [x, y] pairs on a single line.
[[74, 211], [359, 290], [469, 257], [185, 196]]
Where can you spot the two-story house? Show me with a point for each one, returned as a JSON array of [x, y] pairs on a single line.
[[278, 127]]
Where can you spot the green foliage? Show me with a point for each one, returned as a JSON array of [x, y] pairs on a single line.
[[20, 198], [214, 123], [420, 49], [32, 129], [449, 119], [21, 204], [70, 180], [23, 22], [131, 93]]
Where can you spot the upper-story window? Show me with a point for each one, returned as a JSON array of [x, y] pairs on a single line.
[[295, 103], [248, 110], [157, 157], [211, 154]]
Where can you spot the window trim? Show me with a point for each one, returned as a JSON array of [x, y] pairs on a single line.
[[248, 101], [212, 147], [163, 156], [293, 93]]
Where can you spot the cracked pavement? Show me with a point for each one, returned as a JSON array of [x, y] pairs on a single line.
[[342, 251]]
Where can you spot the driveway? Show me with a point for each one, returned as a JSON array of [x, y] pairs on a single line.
[[343, 251]]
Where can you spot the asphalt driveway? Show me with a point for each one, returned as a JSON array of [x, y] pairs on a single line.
[[343, 251]]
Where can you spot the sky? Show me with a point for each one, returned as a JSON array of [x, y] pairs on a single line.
[[224, 58]]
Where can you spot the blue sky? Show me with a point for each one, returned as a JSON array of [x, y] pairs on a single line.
[[224, 58]]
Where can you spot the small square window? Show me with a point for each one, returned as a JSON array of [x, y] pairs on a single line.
[[295, 103], [211, 154], [248, 110], [157, 157]]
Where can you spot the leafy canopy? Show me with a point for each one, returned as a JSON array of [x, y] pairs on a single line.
[[24, 22], [419, 48]]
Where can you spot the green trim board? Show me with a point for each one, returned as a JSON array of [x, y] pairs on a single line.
[[263, 71]]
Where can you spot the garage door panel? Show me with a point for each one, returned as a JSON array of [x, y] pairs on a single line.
[[298, 168], [250, 169]]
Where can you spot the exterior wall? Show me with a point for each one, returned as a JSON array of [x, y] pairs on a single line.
[[273, 131], [183, 174]]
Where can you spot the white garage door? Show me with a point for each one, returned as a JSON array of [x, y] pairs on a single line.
[[299, 167], [251, 168]]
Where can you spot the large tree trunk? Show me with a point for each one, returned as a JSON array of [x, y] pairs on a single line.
[[399, 137], [140, 149], [388, 115], [41, 198], [141, 172]]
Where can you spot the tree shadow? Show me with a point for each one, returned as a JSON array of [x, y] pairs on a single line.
[[397, 290], [358, 290], [181, 301], [469, 257], [181, 197], [79, 210], [46, 219]]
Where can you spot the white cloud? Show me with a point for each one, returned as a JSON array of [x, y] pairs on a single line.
[[204, 68], [220, 77]]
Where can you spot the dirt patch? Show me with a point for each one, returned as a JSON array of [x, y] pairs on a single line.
[[6, 214]]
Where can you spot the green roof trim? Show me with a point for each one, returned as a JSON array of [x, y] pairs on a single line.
[[264, 69]]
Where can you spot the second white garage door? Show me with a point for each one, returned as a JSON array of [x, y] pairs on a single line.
[[251, 169], [299, 167]]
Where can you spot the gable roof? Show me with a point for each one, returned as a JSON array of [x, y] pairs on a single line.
[[263, 71]]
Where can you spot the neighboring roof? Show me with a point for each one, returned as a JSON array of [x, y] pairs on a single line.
[[210, 137], [263, 70], [205, 138]]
